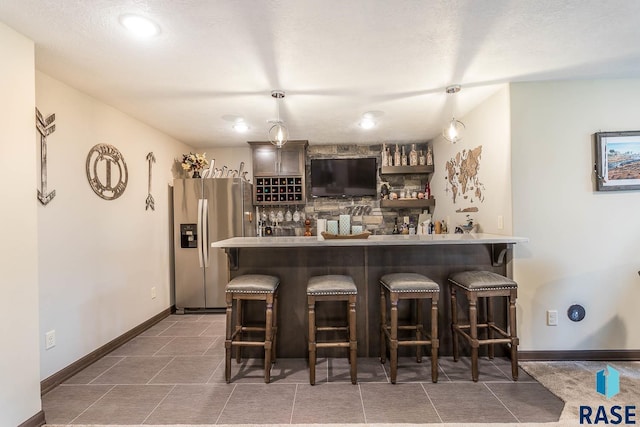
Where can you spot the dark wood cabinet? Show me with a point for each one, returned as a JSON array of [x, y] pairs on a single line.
[[279, 173]]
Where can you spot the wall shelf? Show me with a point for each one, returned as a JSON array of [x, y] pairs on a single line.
[[408, 203], [388, 170]]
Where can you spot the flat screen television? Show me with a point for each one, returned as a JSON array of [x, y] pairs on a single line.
[[343, 177]]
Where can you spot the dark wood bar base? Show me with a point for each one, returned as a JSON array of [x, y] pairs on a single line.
[[365, 264]]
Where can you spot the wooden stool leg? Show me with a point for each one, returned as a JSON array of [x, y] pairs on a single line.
[[393, 342], [454, 323], [239, 323], [490, 326], [473, 332], [311, 302], [353, 340], [435, 343], [383, 326], [419, 326], [275, 327], [227, 342], [267, 338], [514, 335]]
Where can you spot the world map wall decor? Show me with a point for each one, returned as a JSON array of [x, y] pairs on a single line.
[[462, 178], [107, 171]]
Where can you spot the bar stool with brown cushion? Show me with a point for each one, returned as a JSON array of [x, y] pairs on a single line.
[[414, 287], [484, 284], [251, 287], [332, 288]]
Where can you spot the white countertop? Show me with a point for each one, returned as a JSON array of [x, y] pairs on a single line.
[[374, 240]]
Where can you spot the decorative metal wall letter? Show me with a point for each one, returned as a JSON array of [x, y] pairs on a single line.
[[150, 202], [44, 129], [99, 171]]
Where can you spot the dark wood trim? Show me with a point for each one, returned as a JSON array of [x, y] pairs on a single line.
[[619, 355], [64, 374], [36, 421]]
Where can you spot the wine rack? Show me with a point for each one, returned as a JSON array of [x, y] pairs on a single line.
[[279, 190]]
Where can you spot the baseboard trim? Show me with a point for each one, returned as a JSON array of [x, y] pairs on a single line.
[[613, 355], [36, 421], [64, 374]]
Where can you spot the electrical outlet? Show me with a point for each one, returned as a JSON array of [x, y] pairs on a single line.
[[50, 339], [153, 292], [500, 222], [552, 317]]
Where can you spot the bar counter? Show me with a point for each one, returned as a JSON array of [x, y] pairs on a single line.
[[295, 259]]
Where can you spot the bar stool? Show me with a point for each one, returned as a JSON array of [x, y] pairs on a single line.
[[414, 287], [332, 288], [484, 284], [251, 287]]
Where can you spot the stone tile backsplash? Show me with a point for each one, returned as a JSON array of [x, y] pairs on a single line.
[[365, 211]]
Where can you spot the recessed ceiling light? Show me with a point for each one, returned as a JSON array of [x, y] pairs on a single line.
[[140, 26], [367, 123], [369, 119], [240, 127]]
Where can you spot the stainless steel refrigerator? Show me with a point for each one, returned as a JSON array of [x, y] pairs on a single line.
[[205, 211]]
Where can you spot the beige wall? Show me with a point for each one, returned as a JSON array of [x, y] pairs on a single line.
[[99, 259], [488, 125], [19, 361], [584, 244]]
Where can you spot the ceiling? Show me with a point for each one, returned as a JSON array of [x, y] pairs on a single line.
[[217, 60]]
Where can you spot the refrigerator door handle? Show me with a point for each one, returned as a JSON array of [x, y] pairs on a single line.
[[200, 234], [205, 229]]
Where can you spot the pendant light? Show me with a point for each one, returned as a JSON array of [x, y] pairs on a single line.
[[454, 129], [278, 133]]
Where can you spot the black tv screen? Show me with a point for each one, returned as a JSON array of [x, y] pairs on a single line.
[[343, 177]]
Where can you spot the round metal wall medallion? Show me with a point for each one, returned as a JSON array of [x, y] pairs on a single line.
[[107, 171]]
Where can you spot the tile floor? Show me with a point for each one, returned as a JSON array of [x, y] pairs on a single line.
[[173, 374]]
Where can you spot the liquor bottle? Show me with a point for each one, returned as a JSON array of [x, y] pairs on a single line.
[[383, 154], [404, 157], [429, 156], [395, 227], [427, 191], [396, 156], [421, 158], [413, 156]]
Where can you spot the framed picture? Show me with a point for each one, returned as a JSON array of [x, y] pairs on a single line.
[[617, 161]]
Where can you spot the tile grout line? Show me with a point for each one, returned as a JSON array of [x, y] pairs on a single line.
[[158, 405], [431, 401], [444, 372], [384, 369], [225, 403], [159, 332], [364, 413], [168, 342], [214, 372], [97, 400], [204, 353], [161, 369], [107, 370], [293, 407], [498, 368], [503, 404]]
